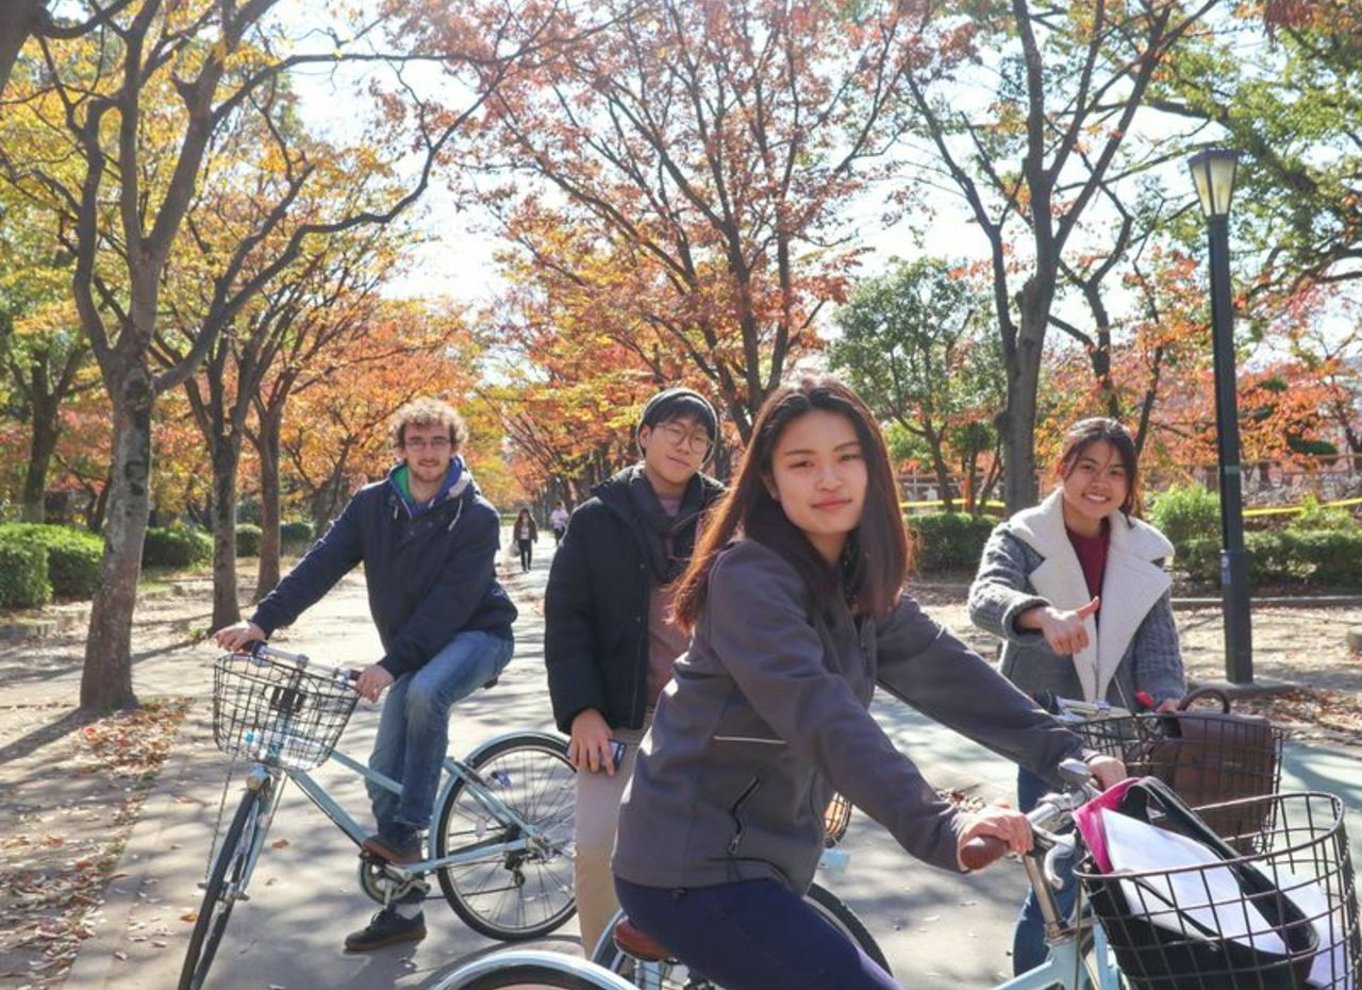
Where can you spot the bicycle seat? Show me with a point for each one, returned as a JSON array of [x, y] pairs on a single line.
[[632, 940]]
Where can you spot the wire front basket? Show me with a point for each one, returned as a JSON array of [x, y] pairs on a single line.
[[1207, 758], [276, 713], [1283, 917]]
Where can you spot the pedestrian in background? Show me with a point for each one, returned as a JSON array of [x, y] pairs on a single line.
[[526, 535]]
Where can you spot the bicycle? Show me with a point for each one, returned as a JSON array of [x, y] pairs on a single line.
[[1075, 948], [501, 830], [1303, 849]]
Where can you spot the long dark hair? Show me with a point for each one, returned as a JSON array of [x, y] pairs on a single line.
[[1087, 432], [875, 560]]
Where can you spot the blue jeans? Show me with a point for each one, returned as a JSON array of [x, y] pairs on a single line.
[[1028, 940], [413, 731], [751, 935]]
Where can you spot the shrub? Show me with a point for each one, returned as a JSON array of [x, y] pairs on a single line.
[[1186, 512], [247, 540], [1315, 517], [949, 541], [176, 546], [73, 556], [1326, 558], [248, 511], [295, 535], [23, 572]]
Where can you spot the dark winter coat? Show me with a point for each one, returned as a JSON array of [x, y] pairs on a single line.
[[429, 576], [596, 607]]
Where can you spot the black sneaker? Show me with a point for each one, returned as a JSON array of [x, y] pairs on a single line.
[[387, 927]]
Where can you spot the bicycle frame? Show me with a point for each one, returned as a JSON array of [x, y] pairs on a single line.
[[456, 770]]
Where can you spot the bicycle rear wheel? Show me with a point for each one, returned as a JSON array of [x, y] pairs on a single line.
[[673, 975], [525, 893], [223, 889]]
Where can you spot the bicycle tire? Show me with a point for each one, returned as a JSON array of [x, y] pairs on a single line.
[[216, 909], [515, 968], [512, 896], [673, 975]]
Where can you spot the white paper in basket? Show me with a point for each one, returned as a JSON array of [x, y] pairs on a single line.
[[1139, 847]]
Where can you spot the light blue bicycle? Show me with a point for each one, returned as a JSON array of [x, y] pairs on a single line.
[[1080, 958], [501, 834]]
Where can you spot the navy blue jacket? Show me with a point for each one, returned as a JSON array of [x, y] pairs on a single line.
[[429, 577]]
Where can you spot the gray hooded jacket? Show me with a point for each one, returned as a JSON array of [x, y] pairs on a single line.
[[766, 716]]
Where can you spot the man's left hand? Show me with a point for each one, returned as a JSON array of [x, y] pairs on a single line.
[[373, 680]]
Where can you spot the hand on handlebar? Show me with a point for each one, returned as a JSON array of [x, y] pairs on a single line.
[[993, 827], [1107, 771], [372, 681], [237, 637]]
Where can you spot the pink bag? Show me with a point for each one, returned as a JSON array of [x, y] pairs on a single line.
[[1088, 821]]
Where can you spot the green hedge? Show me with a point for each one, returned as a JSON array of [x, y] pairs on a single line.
[[247, 540], [176, 546], [23, 573], [949, 541], [1186, 512], [1329, 558], [295, 535], [73, 556]]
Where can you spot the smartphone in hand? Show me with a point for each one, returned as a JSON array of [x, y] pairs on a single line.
[[617, 749]]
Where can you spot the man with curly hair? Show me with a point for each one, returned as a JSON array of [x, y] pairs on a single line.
[[428, 541]]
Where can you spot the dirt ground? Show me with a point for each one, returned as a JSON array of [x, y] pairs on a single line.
[[73, 785]]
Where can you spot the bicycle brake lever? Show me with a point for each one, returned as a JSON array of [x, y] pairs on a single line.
[[1063, 847]]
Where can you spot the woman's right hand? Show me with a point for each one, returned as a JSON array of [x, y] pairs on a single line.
[[236, 637], [589, 747], [1064, 630]]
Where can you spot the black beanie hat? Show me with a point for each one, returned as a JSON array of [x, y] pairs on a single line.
[[673, 403]]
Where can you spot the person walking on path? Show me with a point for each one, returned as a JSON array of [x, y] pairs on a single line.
[[526, 536], [795, 600], [1077, 591], [428, 541], [608, 640], [558, 519]]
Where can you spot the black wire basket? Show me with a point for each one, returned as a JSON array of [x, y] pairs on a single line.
[[276, 713], [1281, 917], [1208, 758]]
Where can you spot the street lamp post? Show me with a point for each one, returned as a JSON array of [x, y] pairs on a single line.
[[1213, 172]]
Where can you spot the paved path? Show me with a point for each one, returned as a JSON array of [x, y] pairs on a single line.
[[938, 930]]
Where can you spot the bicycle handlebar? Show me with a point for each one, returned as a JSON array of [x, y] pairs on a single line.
[[262, 652], [1051, 811]]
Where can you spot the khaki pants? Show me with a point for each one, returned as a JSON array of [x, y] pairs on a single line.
[[598, 814]]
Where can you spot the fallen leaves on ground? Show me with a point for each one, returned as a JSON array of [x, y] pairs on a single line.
[[57, 856]]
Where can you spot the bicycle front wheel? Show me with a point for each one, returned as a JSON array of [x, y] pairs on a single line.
[[670, 974], [529, 970], [520, 893], [223, 889]]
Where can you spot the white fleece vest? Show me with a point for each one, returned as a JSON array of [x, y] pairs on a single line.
[[1131, 584]]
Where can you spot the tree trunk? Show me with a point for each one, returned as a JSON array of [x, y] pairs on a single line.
[[225, 456], [18, 20], [1023, 384], [40, 449], [107, 678], [267, 448]]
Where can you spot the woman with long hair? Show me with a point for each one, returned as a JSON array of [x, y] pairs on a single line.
[[526, 535], [794, 600], [1076, 590]]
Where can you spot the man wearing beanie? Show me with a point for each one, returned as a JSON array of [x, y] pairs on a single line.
[[608, 643]]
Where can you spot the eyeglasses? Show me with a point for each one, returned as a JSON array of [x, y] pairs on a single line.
[[421, 443], [678, 436]]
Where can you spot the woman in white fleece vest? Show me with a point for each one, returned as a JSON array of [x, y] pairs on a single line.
[[1077, 591]]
